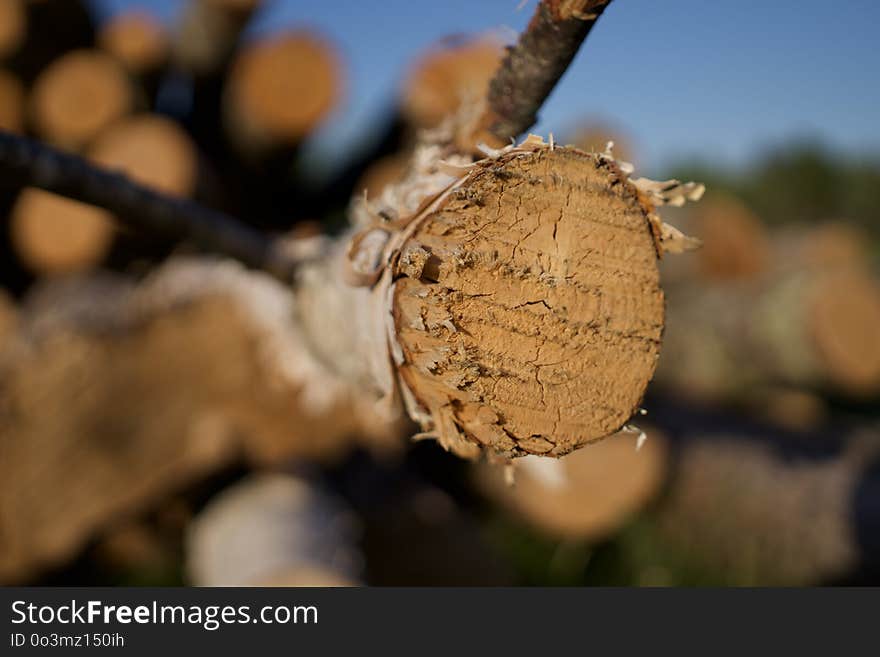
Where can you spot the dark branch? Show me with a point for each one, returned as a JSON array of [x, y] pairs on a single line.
[[534, 65], [24, 162]]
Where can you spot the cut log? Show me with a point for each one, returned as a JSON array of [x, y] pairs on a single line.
[[78, 96], [735, 241], [273, 528], [149, 389], [830, 245], [12, 103], [53, 235], [805, 328], [152, 150], [137, 40], [739, 509], [280, 89], [456, 71], [13, 26], [528, 309], [587, 495]]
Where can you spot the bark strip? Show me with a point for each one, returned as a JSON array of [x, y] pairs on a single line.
[[27, 162], [534, 65]]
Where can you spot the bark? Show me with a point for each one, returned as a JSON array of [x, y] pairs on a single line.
[[151, 388], [534, 65], [26, 162]]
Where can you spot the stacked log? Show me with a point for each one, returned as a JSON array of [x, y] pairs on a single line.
[[740, 508], [142, 44], [454, 72], [149, 389], [13, 26], [55, 235], [279, 90], [811, 329], [78, 96], [12, 103], [274, 530], [587, 495]]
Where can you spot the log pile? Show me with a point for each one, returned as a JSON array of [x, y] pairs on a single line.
[[500, 297]]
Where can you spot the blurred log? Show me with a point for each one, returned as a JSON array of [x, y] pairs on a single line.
[[78, 96], [138, 41], [586, 495], [279, 90], [54, 28], [152, 150], [271, 529], [209, 32], [593, 136], [807, 328], [12, 102], [53, 235], [13, 26], [735, 242], [148, 389], [383, 172], [742, 510], [8, 320], [455, 72], [830, 245]]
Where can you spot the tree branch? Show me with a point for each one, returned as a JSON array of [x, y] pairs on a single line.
[[534, 65], [25, 162]]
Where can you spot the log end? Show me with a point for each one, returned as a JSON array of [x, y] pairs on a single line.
[[53, 235], [136, 39], [531, 323], [78, 96], [152, 150], [844, 318], [587, 495], [281, 88]]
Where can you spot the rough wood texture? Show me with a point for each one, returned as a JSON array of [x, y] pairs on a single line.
[[528, 307], [586, 495], [534, 65], [79, 95]]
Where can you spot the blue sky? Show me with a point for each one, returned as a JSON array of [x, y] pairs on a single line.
[[685, 78]]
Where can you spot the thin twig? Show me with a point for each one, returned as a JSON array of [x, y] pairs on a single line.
[[24, 162], [534, 65]]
